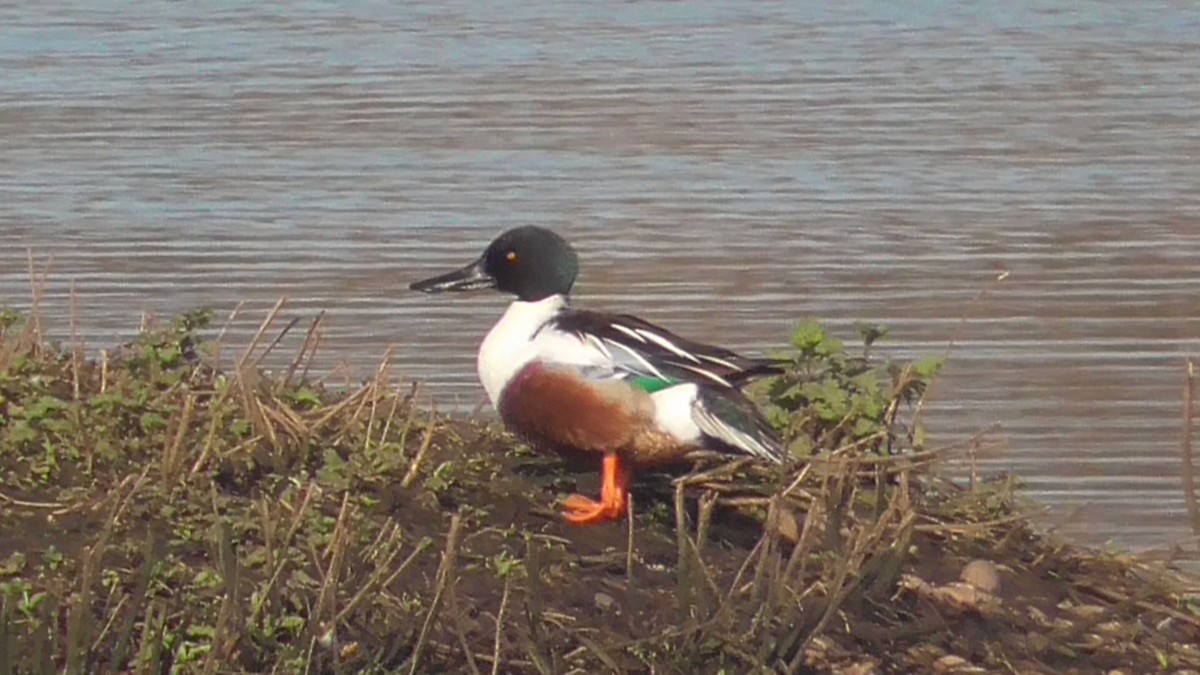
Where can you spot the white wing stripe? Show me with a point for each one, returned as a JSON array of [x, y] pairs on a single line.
[[720, 362], [639, 358], [713, 426], [666, 344], [629, 331], [598, 344], [710, 375]]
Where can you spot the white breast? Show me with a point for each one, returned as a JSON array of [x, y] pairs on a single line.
[[511, 344]]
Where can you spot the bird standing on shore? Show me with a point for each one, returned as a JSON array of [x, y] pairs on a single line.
[[611, 385]]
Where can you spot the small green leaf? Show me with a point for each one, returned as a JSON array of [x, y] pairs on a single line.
[[53, 558], [871, 333], [808, 335], [207, 578], [928, 367], [152, 422], [13, 565], [201, 632], [43, 407], [20, 433], [305, 398]]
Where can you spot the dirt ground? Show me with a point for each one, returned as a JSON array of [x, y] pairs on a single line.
[[161, 514]]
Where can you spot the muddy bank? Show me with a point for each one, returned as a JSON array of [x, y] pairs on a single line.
[[167, 506]]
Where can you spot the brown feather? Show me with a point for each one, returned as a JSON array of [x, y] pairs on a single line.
[[554, 409]]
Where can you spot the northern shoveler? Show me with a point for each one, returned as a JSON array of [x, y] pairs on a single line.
[[579, 381]]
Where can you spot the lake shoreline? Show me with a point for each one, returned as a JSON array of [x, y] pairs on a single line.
[[159, 512]]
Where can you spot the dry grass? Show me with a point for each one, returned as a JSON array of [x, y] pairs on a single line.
[[160, 513]]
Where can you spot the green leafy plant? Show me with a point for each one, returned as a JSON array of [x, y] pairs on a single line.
[[828, 398]]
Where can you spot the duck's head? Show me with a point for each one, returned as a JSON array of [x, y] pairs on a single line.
[[529, 262]]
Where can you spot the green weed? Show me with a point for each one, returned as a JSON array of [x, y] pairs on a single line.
[[828, 399]]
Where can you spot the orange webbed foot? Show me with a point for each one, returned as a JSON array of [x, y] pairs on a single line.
[[579, 510]]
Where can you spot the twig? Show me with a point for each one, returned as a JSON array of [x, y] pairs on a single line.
[[76, 343], [217, 342], [310, 342], [372, 583], [78, 626], [938, 527], [336, 552], [461, 634], [31, 505], [173, 459], [387, 424], [683, 565], [103, 370], [497, 641], [37, 289], [1116, 596], [377, 385], [262, 329], [629, 542], [445, 579], [275, 343], [415, 466], [297, 520]]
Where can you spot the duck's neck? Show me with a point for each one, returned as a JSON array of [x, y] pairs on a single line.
[[508, 347]]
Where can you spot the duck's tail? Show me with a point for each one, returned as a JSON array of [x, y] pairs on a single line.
[[729, 418]]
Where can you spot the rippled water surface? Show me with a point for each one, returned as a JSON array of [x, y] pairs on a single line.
[[726, 169]]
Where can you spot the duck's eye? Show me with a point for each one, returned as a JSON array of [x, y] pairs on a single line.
[[511, 256]]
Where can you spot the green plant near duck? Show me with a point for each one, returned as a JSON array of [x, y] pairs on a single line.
[[829, 398]]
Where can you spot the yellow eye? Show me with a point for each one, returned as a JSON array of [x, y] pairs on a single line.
[[511, 256]]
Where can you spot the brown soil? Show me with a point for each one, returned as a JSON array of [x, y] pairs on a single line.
[[158, 515]]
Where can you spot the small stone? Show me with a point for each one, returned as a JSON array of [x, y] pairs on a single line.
[[952, 663], [817, 653], [349, 651], [925, 653], [864, 668], [967, 596], [604, 601], [1038, 616], [982, 574], [1088, 612], [783, 521], [1036, 642], [1061, 624]]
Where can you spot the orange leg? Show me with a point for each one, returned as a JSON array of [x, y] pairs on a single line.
[[579, 510]]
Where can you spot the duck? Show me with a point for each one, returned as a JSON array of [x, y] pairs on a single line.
[[612, 387]]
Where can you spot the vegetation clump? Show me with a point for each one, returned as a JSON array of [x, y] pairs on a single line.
[[162, 512]]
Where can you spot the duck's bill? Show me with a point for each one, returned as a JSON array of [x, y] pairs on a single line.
[[470, 278]]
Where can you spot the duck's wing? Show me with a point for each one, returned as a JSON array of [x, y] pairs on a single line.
[[643, 350], [727, 416]]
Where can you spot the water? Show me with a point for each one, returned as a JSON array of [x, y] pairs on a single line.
[[726, 169]]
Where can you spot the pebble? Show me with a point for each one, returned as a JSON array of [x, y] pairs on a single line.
[[864, 668], [783, 521], [604, 601], [951, 663], [1088, 612], [982, 574]]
